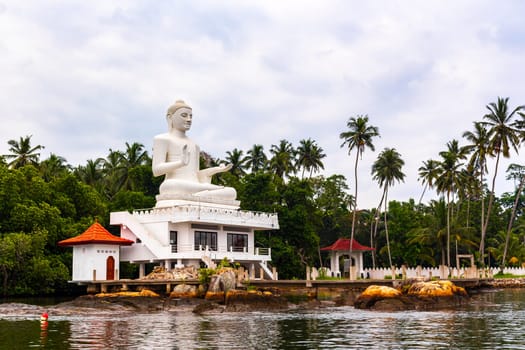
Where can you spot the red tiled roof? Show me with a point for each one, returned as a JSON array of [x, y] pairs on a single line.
[[96, 233], [343, 244]]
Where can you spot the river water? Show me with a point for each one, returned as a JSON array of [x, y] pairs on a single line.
[[491, 320]]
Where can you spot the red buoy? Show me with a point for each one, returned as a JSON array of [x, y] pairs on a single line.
[[44, 317]]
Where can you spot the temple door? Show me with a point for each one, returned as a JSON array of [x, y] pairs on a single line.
[[110, 268]]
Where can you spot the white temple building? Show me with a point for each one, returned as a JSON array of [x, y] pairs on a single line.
[[194, 222], [192, 233]]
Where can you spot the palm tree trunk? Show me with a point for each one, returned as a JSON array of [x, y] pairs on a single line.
[[482, 240], [489, 207], [373, 229], [511, 221], [354, 215], [386, 227], [448, 228], [468, 213], [422, 194]]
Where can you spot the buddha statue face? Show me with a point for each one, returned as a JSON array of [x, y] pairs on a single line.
[[181, 119]]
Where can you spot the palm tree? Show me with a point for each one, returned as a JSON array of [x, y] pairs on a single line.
[[359, 136], [92, 174], [22, 152], [517, 171], [502, 137], [448, 182], [432, 235], [479, 149], [469, 188], [53, 166], [236, 159], [309, 156], [282, 161], [135, 155], [114, 172], [256, 160], [427, 175], [386, 170]]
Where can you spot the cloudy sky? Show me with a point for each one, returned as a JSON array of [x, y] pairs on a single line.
[[86, 76]]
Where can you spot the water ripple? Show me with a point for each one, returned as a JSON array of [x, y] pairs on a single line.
[[491, 320]]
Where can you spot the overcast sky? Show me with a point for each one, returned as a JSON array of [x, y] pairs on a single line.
[[86, 76]]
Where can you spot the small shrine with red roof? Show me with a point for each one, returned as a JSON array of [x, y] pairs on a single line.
[[341, 248], [96, 254]]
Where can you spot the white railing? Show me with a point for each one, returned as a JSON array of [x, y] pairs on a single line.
[[421, 272], [263, 251], [191, 212], [221, 249]]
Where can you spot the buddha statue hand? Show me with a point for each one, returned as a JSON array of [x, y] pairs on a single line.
[[225, 167]]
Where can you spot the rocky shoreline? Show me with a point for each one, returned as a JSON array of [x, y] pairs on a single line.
[[504, 283], [235, 300]]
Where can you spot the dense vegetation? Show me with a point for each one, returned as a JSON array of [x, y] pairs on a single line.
[[45, 201]]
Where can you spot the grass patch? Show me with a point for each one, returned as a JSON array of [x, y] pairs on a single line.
[[328, 278], [507, 275]]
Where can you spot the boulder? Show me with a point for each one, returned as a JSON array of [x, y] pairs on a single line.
[[440, 288], [224, 280], [415, 296], [242, 301], [215, 296], [184, 291], [373, 294]]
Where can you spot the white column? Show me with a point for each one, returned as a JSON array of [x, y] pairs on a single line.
[[179, 263], [337, 267]]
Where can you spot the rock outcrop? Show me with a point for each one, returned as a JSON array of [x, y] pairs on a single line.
[[183, 273], [241, 301], [221, 282], [184, 291], [413, 296]]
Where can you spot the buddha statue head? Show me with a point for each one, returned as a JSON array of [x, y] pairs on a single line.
[[179, 116]]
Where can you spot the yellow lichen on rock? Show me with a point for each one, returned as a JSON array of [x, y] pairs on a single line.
[[142, 293], [147, 293], [436, 289], [380, 292]]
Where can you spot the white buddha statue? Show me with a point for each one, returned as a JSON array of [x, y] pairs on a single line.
[[176, 156]]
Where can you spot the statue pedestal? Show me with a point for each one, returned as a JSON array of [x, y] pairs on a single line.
[[164, 201]]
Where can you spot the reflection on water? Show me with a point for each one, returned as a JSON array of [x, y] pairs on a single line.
[[491, 320]]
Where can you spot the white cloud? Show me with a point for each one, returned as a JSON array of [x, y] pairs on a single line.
[[83, 77]]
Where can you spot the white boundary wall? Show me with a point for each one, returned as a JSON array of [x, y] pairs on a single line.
[[425, 272]]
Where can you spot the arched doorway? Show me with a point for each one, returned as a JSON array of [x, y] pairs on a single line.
[[110, 268]]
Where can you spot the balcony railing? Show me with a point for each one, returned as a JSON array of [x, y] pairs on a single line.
[[191, 212], [219, 249]]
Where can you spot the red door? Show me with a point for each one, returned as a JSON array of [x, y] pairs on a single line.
[[110, 268]]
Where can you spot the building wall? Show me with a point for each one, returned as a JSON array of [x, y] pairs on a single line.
[[152, 237], [92, 257]]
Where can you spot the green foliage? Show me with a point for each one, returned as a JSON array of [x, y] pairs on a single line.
[[205, 275], [43, 203], [507, 275], [129, 200], [25, 269]]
